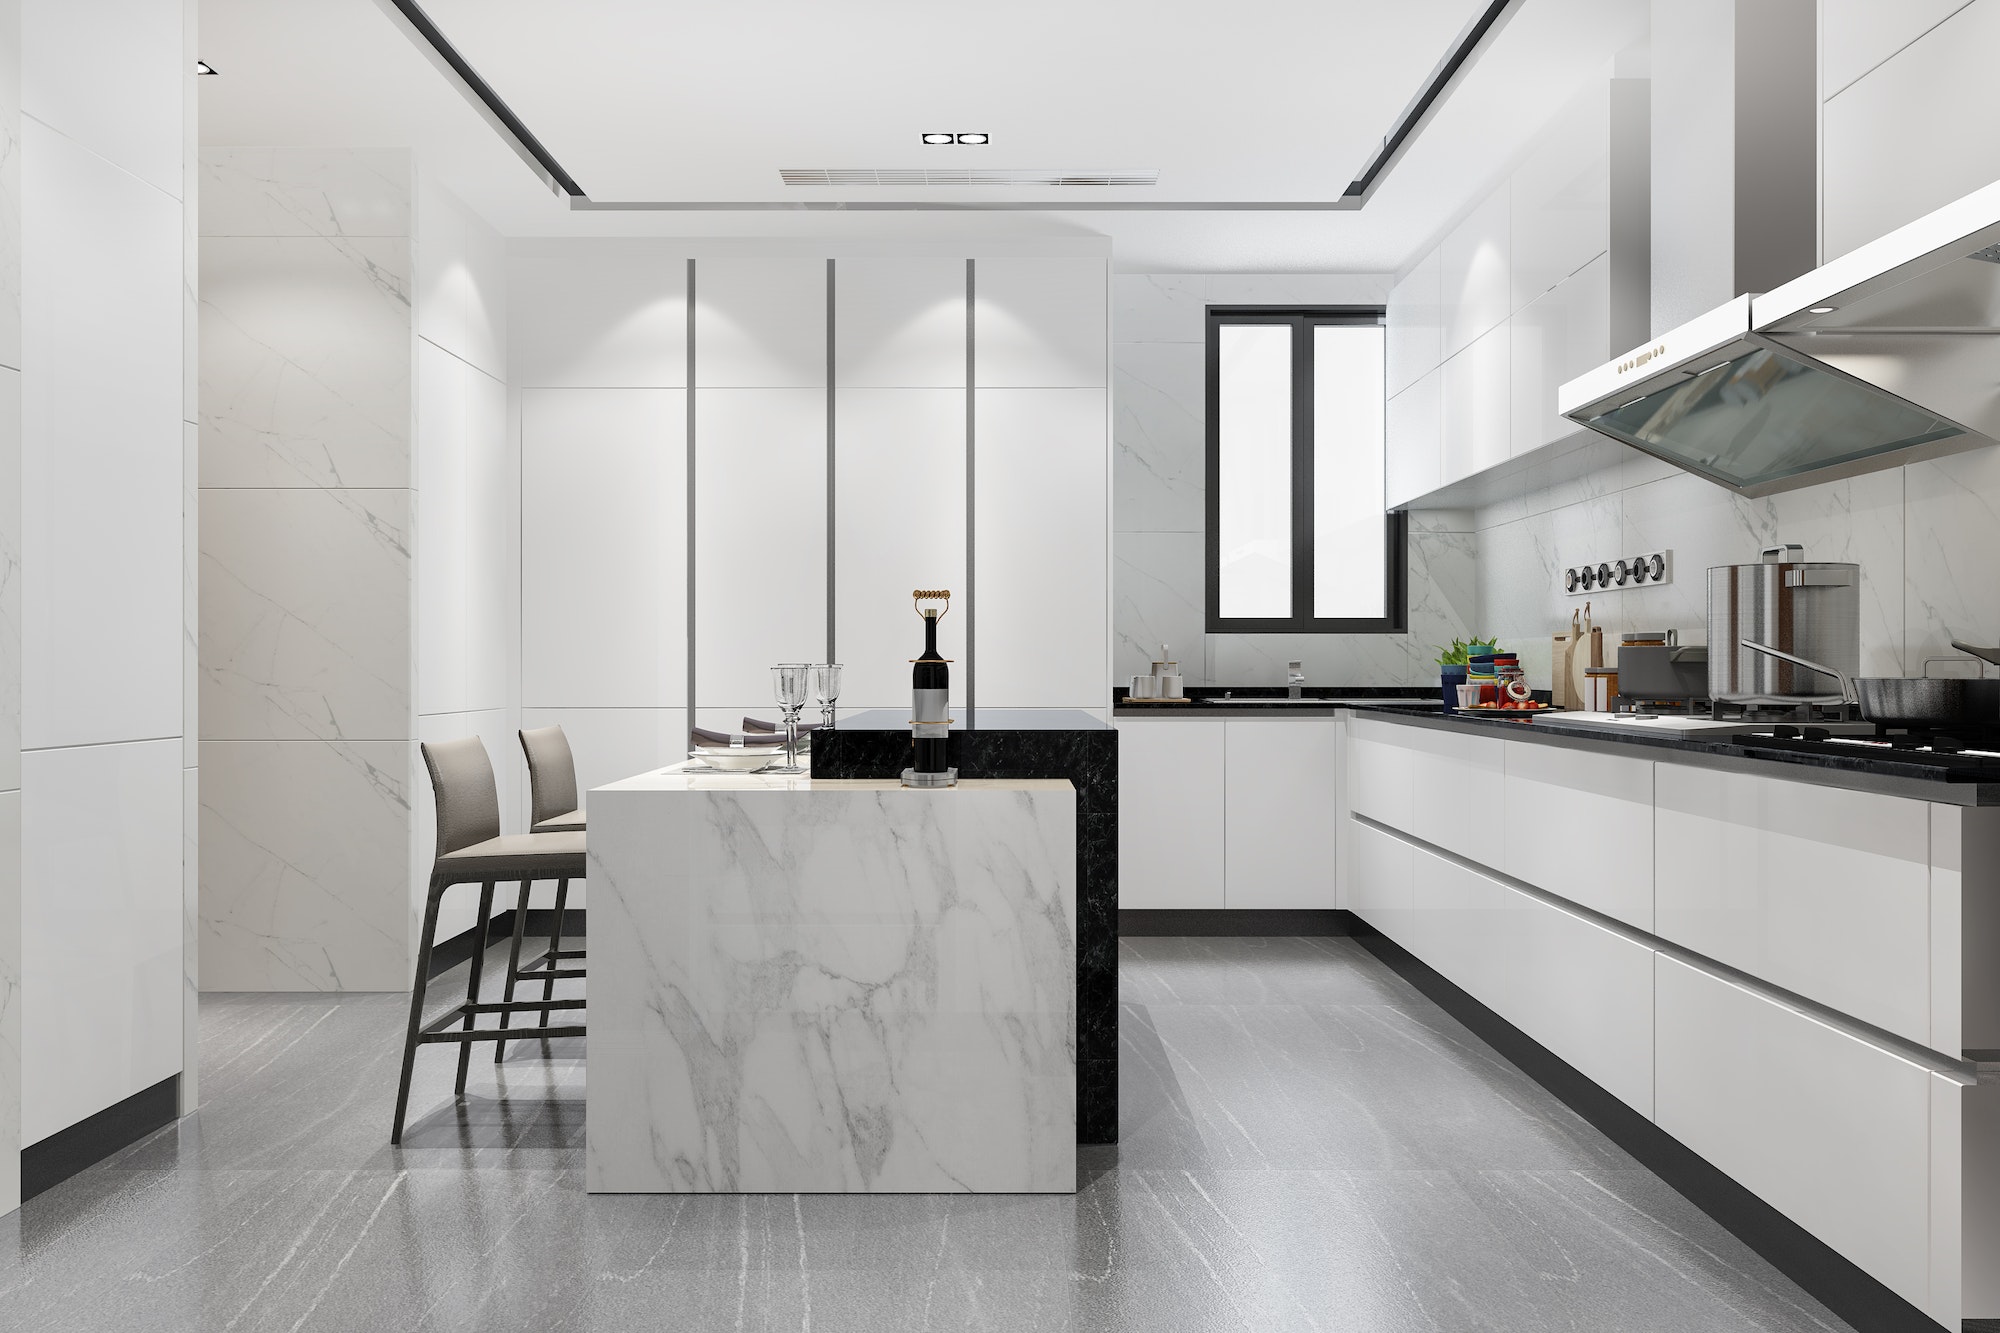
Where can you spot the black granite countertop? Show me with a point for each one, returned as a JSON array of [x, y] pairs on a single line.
[[1882, 772], [1269, 700]]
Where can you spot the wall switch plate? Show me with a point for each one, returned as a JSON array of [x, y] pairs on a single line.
[[1645, 570]]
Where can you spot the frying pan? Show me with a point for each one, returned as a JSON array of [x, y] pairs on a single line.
[[1908, 701]]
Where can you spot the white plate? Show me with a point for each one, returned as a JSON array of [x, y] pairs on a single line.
[[744, 760]]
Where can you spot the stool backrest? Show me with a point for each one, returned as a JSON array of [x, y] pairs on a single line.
[[468, 799], [551, 773]]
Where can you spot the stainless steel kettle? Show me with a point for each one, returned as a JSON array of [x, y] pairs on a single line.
[[1807, 608]]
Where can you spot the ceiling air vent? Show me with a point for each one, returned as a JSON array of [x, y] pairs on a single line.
[[960, 176]]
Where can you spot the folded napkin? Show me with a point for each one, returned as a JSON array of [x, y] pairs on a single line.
[[759, 724], [702, 737]]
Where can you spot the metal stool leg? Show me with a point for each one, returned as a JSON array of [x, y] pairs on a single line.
[[555, 943], [513, 966], [472, 981], [428, 938]]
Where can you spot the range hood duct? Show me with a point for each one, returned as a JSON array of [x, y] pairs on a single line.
[[1884, 356]]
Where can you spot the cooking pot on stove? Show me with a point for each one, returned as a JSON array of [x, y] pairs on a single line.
[[1922, 702], [1809, 610]]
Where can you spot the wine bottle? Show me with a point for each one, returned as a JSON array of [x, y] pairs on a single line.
[[930, 691]]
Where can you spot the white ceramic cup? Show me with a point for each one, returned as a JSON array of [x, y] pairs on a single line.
[[1170, 687], [1145, 687]]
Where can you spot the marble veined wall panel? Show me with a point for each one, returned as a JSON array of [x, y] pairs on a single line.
[[305, 614], [305, 863], [877, 994], [327, 192]]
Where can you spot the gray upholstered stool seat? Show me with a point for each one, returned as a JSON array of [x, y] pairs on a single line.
[[571, 822], [472, 850]]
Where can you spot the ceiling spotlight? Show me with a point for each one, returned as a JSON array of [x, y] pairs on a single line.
[[203, 67], [972, 138], [940, 138], [1822, 309]]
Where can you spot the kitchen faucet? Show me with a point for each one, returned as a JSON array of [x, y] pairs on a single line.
[[1295, 679]]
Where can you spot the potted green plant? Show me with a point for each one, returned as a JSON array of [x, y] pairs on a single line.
[[1451, 666]]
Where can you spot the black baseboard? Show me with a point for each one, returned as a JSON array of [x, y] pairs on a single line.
[[447, 954], [89, 1141], [1241, 921], [1831, 1278]]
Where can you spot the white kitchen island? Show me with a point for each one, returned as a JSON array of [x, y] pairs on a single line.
[[831, 986]]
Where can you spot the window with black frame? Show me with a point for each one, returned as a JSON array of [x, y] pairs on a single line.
[[1299, 540]]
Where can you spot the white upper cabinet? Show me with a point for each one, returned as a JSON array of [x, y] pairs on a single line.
[[1416, 330], [1415, 463], [1475, 291], [1040, 323], [1559, 198], [1475, 417], [1561, 334]]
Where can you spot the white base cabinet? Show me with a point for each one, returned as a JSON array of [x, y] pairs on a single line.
[[1170, 812]]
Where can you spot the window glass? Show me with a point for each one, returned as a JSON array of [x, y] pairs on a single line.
[[1254, 430], [1350, 553]]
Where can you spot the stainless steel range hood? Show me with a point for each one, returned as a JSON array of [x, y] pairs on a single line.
[[1888, 354]]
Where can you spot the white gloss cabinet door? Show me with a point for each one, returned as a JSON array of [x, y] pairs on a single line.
[[1456, 798], [1041, 594], [1474, 261], [898, 455], [1282, 795], [1817, 890], [760, 468], [581, 323], [1171, 798], [1380, 888], [1415, 338], [604, 548], [1476, 416], [1563, 333], [1413, 436], [1380, 773], [1831, 1131], [1040, 323], [760, 323], [899, 323], [1580, 826], [1561, 197]]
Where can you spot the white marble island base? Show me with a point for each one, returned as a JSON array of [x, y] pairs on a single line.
[[831, 986]]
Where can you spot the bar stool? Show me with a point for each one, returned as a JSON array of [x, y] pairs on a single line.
[[552, 809], [472, 850]]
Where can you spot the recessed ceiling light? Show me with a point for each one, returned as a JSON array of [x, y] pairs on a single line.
[[203, 67], [972, 138], [1822, 309], [940, 138]]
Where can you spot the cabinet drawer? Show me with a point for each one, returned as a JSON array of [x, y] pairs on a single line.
[[1831, 1131], [1170, 813], [1580, 826], [1813, 889], [1378, 881], [1379, 772], [1583, 991], [1456, 800]]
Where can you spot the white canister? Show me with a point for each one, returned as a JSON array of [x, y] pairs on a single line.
[[1170, 686], [1145, 687]]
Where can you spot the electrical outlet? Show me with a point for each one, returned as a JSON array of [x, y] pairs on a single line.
[[1631, 571]]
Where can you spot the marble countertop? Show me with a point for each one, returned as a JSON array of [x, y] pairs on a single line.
[[689, 777]]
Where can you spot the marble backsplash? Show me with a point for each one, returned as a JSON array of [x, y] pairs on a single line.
[[1158, 394]]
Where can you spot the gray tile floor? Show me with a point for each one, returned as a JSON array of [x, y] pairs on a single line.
[[1308, 1144]]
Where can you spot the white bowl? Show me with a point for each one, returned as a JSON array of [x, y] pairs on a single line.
[[745, 760]]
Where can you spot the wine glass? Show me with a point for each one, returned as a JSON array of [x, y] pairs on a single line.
[[789, 683], [826, 684]]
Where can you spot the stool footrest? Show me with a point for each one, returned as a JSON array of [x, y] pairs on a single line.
[[502, 1034], [458, 1013]]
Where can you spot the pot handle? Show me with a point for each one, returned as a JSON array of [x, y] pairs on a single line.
[[1847, 694], [1788, 554]]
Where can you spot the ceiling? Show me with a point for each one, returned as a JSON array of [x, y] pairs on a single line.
[[1271, 102]]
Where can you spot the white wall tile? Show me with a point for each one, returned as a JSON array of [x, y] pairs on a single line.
[[1159, 474], [305, 859], [465, 569], [10, 1000], [1039, 323], [1298, 288], [1159, 307], [108, 76], [190, 592], [899, 484], [899, 323], [760, 323], [11, 518], [305, 192], [760, 537], [1857, 35], [1159, 596], [597, 323], [10, 210], [101, 906], [1330, 659], [1951, 539], [1444, 597], [102, 448], [461, 287], [305, 615], [604, 546], [305, 361], [1040, 563]]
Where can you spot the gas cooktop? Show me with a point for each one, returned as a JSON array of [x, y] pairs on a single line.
[[1974, 758]]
